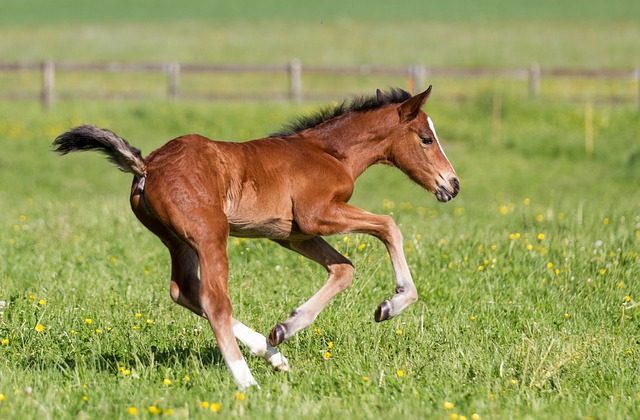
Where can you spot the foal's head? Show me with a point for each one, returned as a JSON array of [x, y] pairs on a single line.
[[416, 150]]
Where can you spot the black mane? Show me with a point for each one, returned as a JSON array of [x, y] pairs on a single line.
[[357, 104]]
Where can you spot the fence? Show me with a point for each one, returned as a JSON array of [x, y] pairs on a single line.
[[414, 76]]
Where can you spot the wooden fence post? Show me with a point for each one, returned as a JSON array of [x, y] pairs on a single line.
[[48, 82], [588, 129], [637, 77], [534, 81], [418, 74], [173, 79], [295, 81]]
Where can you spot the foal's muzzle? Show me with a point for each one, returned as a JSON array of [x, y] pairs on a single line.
[[448, 192]]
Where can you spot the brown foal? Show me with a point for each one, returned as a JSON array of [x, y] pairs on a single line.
[[293, 188]]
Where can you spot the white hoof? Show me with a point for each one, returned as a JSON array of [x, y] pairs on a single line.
[[279, 362]]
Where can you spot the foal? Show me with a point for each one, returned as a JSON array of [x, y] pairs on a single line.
[[293, 188]]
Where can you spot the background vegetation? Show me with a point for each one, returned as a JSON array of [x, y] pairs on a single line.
[[528, 281]]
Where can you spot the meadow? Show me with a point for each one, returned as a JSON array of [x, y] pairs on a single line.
[[529, 281]]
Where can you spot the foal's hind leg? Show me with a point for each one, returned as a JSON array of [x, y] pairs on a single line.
[[185, 289], [340, 277]]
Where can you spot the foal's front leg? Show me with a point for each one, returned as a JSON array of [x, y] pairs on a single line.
[[340, 277], [343, 218]]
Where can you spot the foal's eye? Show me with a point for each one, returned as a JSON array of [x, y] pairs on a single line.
[[427, 140]]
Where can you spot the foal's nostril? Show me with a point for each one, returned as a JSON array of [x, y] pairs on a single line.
[[456, 185]]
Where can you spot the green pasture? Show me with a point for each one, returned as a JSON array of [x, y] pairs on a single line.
[[529, 281]]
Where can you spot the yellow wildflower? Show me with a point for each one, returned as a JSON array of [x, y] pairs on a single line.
[[240, 396], [362, 246], [399, 331], [2, 397], [204, 404], [365, 378], [448, 405], [88, 321], [567, 315], [5, 342], [215, 407], [168, 412], [138, 315], [42, 302], [154, 410], [39, 328], [167, 381], [400, 373], [473, 318], [98, 331], [529, 247], [326, 355], [330, 345], [85, 398], [549, 265], [627, 299], [186, 378], [32, 297], [526, 201], [149, 321], [540, 236], [475, 416], [454, 416]]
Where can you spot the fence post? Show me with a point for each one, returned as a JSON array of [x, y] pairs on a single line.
[[637, 78], [48, 82], [588, 129], [418, 76], [295, 80], [173, 79], [534, 80]]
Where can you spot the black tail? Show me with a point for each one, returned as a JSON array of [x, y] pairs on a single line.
[[87, 137]]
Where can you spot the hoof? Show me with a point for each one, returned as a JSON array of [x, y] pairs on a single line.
[[277, 335], [279, 362], [383, 312]]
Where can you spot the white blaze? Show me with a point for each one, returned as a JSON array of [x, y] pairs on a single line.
[[433, 130]]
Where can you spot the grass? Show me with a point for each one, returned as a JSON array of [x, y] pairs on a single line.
[[497, 331]]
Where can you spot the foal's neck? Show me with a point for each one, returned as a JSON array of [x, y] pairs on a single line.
[[358, 140]]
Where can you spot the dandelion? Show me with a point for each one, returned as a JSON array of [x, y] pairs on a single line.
[[481, 268], [475, 416], [627, 299], [114, 259], [204, 404], [215, 407], [5, 342], [32, 297], [620, 285], [42, 302], [22, 218], [557, 271], [149, 321], [2, 397], [605, 221], [454, 416], [39, 328], [473, 318], [326, 355], [330, 345], [567, 315], [85, 398], [168, 412], [526, 201], [602, 271], [362, 247], [98, 331], [400, 373], [240, 396], [504, 210], [317, 331], [540, 236], [462, 418], [88, 321], [167, 381], [186, 378], [529, 247], [399, 331], [448, 405], [549, 265], [539, 218], [365, 378], [138, 315], [154, 410]]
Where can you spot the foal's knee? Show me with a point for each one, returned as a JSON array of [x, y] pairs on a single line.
[[342, 274]]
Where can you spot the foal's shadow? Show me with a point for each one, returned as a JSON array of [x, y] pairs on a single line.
[[157, 357]]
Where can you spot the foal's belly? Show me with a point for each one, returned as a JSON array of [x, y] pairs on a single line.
[[272, 228]]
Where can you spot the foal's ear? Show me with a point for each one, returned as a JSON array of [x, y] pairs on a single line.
[[410, 108]]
